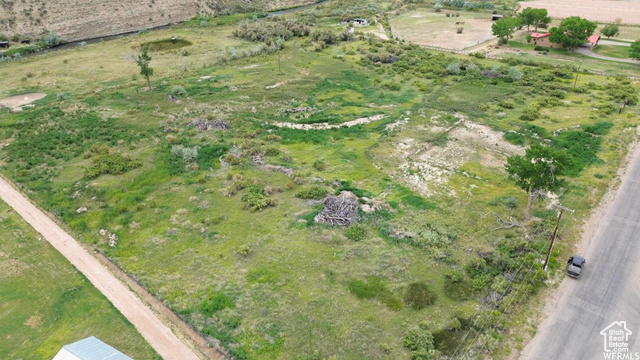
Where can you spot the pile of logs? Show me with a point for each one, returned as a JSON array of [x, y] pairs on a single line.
[[341, 210], [212, 125]]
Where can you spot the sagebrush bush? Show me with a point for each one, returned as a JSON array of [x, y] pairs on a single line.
[[419, 296], [178, 90]]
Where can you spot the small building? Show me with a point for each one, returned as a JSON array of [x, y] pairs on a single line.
[[496, 17], [593, 40], [360, 22], [90, 348], [542, 39]]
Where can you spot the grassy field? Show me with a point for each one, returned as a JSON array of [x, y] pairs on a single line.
[[219, 223], [45, 303], [619, 52]]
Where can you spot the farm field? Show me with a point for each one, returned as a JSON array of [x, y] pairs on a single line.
[[594, 10], [424, 27], [45, 303], [207, 187]]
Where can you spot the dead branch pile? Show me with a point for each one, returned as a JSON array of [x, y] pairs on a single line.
[[341, 210], [259, 162], [212, 125]]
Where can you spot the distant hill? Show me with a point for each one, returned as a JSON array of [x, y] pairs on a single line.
[[83, 19]]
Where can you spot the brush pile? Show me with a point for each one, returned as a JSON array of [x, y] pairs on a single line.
[[341, 210]]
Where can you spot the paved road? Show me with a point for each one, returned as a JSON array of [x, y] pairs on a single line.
[[608, 291], [586, 50], [159, 336]]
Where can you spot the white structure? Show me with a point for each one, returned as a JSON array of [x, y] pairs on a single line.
[[90, 349]]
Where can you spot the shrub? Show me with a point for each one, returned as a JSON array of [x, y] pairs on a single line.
[[272, 151], [514, 73], [530, 113], [315, 192], [178, 91], [256, 199], [355, 233], [52, 39], [208, 155], [528, 37], [456, 287], [437, 7], [420, 341], [514, 138], [216, 302], [419, 296], [61, 96], [459, 30], [325, 36], [111, 164], [187, 154], [269, 31], [453, 68], [319, 165]]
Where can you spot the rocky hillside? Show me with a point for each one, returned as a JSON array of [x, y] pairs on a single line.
[[82, 19]]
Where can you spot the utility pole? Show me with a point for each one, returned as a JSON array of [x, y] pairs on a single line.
[[577, 72], [561, 209]]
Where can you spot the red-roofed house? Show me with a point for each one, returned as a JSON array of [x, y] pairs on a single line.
[[542, 39], [593, 40]]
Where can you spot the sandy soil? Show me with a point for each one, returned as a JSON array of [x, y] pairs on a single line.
[[15, 103], [427, 168], [595, 10], [158, 334], [325, 126], [431, 29]]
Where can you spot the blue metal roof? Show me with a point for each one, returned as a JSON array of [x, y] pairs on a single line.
[[92, 348]]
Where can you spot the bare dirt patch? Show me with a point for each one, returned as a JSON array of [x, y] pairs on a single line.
[[595, 10], [34, 322], [326, 126], [427, 167], [436, 29], [16, 103]]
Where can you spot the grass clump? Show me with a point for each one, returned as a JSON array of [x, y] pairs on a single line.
[[314, 192], [355, 233], [216, 302], [208, 156], [419, 296], [374, 287]]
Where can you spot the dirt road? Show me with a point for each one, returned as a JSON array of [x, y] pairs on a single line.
[[159, 336]]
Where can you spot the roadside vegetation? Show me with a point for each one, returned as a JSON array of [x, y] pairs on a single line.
[[47, 304], [384, 224]]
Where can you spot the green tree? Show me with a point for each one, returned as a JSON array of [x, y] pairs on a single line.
[[143, 60], [634, 50], [505, 27], [610, 30], [540, 17], [623, 93], [572, 32], [538, 169], [527, 17]]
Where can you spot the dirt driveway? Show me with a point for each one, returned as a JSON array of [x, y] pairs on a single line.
[[159, 335]]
